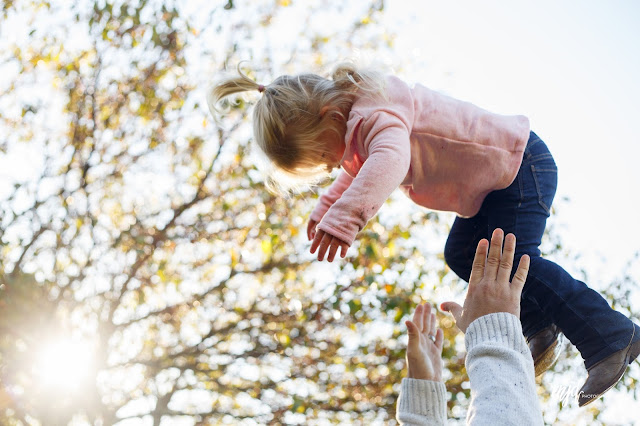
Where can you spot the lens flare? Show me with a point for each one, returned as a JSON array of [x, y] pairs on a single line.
[[64, 364]]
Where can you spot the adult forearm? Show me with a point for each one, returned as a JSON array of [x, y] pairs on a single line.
[[422, 402], [501, 373]]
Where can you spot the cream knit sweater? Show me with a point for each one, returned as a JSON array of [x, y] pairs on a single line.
[[500, 369]]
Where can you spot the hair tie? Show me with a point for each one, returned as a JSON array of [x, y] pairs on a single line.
[[260, 88]]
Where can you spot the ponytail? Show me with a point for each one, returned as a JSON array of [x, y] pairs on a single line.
[[230, 86], [288, 121]]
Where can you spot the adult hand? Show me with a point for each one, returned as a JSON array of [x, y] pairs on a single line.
[[323, 241], [489, 287], [424, 350]]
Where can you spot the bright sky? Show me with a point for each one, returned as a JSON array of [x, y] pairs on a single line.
[[572, 67]]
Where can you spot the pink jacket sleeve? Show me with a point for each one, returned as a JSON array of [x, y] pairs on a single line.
[[388, 149], [335, 191]]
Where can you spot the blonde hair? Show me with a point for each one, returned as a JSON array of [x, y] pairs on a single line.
[[290, 116]]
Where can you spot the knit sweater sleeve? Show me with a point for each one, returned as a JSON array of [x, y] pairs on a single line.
[[422, 402], [501, 373], [388, 149], [327, 199]]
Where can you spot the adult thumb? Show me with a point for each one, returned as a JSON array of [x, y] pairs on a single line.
[[453, 308], [413, 332], [412, 329]]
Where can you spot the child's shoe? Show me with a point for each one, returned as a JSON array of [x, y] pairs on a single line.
[[603, 375], [545, 347]]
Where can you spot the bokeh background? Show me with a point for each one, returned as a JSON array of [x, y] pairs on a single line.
[[147, 276]]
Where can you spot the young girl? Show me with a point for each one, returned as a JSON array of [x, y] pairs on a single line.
[[445, 154]]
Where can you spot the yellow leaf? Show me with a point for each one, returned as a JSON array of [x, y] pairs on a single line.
[[234, 258], [284, 339], [267, 248]]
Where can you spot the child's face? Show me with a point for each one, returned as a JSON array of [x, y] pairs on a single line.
[[334, 146]]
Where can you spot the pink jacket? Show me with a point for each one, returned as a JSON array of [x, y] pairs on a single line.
[[445, 154]]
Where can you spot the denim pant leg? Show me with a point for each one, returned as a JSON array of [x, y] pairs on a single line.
[[460, 250], [582, 314], [462, 241]]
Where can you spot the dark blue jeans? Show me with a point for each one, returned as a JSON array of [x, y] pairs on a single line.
[[550, 294]]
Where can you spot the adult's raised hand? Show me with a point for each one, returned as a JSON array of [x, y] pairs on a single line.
[[489, 288]]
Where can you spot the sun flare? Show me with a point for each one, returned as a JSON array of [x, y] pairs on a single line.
[[64, 363]]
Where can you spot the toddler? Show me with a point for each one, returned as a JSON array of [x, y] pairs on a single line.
[[445, 154]]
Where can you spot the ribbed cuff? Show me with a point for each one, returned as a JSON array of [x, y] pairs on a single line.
[[343, 236], [501, 327], [423, 398], [317, 215]]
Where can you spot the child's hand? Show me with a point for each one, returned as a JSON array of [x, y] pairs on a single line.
[[489, 287], [311, 229], [325, 241], [424, 350]]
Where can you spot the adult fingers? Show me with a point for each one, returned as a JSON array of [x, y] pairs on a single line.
[[521, 274], [495, 249], [414, 335], [412, 329], [453, 308], [506, 263], [439, 339], [477, 270], [434, 324], [426, 318], [417, 317]]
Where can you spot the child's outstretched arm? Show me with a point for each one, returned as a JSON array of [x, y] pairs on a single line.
[[327, 199], [388, 155], [325, 240]]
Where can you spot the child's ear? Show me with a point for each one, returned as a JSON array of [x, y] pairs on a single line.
[[328, 109], [324, 110]]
